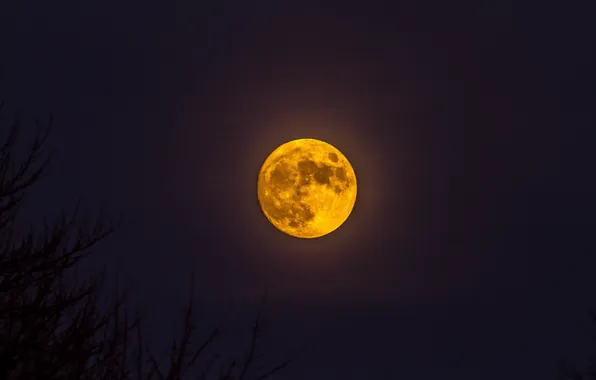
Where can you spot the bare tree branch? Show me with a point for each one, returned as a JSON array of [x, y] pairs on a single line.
[[54, 326]]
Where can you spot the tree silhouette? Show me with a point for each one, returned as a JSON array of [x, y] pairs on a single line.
[[55, 326]]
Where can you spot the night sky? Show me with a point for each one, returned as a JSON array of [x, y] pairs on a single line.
[[470, 125]]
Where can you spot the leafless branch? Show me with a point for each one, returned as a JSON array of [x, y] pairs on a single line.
[[55, 326]]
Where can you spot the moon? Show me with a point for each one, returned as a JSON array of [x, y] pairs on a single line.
[[307, 188]]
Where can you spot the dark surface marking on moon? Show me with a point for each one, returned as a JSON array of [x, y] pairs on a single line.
[[299, 215], [280, 177], [283, 178], [333, 157], [323, 174], [274, 212], [341, 174], [307, 167], [300, 191]]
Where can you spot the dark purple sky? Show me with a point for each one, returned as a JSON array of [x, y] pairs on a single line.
[[470, 124]]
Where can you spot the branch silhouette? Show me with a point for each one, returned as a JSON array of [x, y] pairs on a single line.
[[53, 325]]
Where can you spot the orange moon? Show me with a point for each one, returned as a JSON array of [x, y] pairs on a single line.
[[307, 188]]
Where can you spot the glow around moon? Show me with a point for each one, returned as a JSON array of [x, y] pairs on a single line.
[[307, 188]]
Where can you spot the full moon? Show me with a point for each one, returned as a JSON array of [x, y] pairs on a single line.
[[307, 188]]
